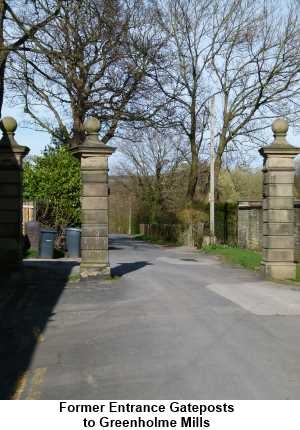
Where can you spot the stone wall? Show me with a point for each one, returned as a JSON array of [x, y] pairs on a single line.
[[250, 226]]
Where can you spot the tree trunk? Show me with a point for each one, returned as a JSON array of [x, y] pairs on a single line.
[[3, 53], [218, 160], [2, 76], [193, 174], [78, 130], [193, 178]]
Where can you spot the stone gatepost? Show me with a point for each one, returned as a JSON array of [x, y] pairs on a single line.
[[278, 205], [93, 156], [11, 158]]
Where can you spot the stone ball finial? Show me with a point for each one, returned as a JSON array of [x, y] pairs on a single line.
[[9, 124], [91, 125], [280, 127]]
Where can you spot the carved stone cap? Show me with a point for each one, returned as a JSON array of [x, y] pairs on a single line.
[[280, 128], [8, 126], [92, 145], [91, 126], [280, 145]]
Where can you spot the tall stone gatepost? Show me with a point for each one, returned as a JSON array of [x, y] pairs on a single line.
[[11, 160], [93, 156], [278, 205]]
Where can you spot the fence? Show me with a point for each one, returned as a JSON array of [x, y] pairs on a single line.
[[226, 223], [29, 213], [191, 235], [226, 228]]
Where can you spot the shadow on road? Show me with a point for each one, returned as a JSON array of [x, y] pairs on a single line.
[[125, 268], [26, 306]]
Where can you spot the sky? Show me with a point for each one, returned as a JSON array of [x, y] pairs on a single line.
[[37, 140]]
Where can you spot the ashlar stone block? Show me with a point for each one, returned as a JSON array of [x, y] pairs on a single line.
[[279, 162], [94, 243], [94, 203], [278, 203], [10, 190], [278, 229], [97, 256], [8, 217], [10, 203], [94, 230], [94, 189], [97, 163], [279, 242], [94, 217], [279, 190], [9, 230], [10, 176], [279, 177], [277, 255], [279, 271], [280, 215], [93, 176]]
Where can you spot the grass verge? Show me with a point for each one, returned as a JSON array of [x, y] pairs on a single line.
[[297, 273], [243, 257]]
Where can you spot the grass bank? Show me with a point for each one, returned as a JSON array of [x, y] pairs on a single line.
[[243, 257]]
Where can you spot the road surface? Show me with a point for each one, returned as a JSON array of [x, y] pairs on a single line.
[[173, 324]]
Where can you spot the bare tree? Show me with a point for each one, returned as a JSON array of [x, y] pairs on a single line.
[[243, 52], [187, 26], [151, 161], [92, 59], [19, 23], [255, 69]]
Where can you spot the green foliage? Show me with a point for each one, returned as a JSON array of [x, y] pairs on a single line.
[[240, 184], [192, 216], [297, 273], [53, 180], [243, 257]]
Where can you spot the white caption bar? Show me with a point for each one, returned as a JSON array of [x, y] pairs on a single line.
[[135, 414]]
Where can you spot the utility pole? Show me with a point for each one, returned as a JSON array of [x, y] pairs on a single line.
[[212, 172], [130, 216]]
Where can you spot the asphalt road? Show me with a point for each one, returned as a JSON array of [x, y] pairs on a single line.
[[173, 324]]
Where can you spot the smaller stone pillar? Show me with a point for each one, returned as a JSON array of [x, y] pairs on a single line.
[[93, 156], [11, 156], [278, 205]]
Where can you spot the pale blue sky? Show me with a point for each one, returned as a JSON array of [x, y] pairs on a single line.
[[37, 140]]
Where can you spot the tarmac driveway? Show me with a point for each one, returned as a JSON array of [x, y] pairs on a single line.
[[173, 324]]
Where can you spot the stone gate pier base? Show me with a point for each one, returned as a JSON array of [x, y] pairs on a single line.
[[278, 205], [11, 158], [93, 156]]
